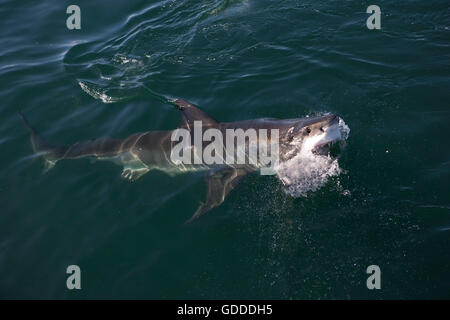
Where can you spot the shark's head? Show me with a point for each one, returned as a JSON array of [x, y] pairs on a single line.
[[310, 135]]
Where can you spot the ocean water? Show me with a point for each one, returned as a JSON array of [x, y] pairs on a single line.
[[388, 205]]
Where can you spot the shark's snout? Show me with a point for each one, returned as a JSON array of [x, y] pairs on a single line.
[[334, 119], [324, 131], [328, 120], [320, 122]]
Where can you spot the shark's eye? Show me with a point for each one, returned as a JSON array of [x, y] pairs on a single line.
[[321, 129], [308, 130]]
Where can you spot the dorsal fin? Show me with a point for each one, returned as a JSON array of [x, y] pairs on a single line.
[[190, 113]]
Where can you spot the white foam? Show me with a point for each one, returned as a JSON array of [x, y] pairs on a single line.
[[97, 93], [308, 171]]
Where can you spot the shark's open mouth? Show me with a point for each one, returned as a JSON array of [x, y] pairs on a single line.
[[332, 141], [316, 161], [331, 148]]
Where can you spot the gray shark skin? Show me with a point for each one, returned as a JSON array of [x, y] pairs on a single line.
[[142, 152]]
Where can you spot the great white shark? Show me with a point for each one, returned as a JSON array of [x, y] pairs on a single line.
[[151, 150]]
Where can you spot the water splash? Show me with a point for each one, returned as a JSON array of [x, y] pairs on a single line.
[[97, 92], [308, 171]]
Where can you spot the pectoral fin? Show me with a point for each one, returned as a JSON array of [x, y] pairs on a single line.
[[219, 185]]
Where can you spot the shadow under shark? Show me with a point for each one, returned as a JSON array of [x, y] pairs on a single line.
[[151, 150]]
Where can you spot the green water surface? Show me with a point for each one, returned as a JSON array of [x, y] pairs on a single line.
[[236, 59]]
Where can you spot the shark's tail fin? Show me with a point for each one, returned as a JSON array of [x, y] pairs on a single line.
[[50, 153]]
